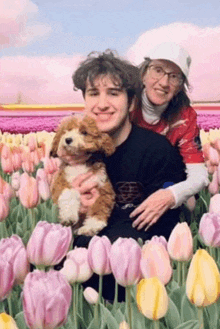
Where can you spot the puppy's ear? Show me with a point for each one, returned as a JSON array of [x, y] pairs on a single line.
[[90, 125], [107, 144]]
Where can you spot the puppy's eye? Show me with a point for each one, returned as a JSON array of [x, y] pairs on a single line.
[[84, 132]]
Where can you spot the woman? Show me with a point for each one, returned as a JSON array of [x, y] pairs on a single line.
[[166, 109]]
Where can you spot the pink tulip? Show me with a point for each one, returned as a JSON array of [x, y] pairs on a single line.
[[213, 156], [16, 160], [76, 266], [51, 165], [155, 261], [6, 160], [158, 239], [211, 169], [32, 142], [4, 208], [209, 229], [213, 186], [214, 206], [6, 189], [180, 243], [46, 299], [43, 185], [125, 255], [48, 243], [216, 144], [6, 277], [35, 158], [15, 180], [98, 255], [91, 295], [28, 191], [13, 250]]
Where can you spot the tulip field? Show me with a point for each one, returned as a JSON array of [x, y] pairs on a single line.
[[172, 284]]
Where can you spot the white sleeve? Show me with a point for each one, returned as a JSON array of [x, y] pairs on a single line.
[[197, 179]]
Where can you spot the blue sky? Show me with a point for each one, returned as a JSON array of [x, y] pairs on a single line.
[[83, 26], [42, 41]]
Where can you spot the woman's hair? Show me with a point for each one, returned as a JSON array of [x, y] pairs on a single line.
[[124, 74], [177, 102]]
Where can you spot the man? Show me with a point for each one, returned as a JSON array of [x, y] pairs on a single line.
[[143, 162]]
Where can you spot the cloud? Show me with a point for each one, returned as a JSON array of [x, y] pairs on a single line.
[[39, 80], [203, 44], [15, 29]]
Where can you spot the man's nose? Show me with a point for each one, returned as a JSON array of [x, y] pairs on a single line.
[[103, 102]]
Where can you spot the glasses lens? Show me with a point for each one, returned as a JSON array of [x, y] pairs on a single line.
[[158, 72]]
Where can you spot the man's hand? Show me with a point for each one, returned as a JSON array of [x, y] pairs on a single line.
[[151, 209], [87, 189]]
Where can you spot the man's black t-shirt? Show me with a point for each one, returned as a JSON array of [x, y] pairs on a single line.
[[141, 165]]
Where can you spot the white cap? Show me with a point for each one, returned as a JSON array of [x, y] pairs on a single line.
[[172, 52]]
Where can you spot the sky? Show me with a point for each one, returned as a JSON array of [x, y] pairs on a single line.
[[43, 41]]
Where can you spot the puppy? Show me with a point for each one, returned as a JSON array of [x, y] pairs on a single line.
[[81, 147]]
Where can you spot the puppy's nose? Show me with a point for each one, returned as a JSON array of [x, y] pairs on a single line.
[[68, 140]]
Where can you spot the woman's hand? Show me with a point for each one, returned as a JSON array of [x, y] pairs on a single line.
[[151, 209], [87, 189]]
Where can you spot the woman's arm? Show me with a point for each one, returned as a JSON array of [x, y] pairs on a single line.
[[197, 179]]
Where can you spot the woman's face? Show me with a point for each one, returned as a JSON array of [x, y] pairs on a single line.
[[160, 91]]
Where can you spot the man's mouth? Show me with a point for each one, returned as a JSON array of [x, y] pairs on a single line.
[[104, 116]]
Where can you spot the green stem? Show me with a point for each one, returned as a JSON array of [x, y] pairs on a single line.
[[10, 305], [74, 307], [156, 324], [100, 287], [115, 303], [4, 229], [183, 272], [32, 218], [128, 305], [200, 316], [179, 270], [212, 252]]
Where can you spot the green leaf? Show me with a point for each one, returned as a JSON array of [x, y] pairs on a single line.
[[176, 296], [172, 317], [188, 310], [211, 315], [19, 319], [107, 318], [191, 324]]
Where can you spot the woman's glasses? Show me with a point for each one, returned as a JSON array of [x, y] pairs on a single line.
[[157, 73]]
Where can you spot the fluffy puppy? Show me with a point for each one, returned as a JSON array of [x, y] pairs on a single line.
[[81, 147]]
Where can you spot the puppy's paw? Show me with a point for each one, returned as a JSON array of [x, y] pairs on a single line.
[[91, 226], [69, 204]]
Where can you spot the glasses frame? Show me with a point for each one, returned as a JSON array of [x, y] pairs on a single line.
[[181, 79]]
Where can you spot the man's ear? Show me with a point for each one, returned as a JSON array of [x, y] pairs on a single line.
[[133, 104]]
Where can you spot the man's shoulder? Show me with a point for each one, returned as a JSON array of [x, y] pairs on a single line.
[[149, 135]]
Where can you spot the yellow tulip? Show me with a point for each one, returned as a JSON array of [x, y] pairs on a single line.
[[7, 322], [152, 298], [203, 280]]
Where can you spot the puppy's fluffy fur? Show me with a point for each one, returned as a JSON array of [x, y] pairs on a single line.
[[76, 139]]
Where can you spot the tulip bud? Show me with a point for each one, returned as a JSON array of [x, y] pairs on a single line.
[[124, 325], [76, 267], [125, 257], [152, 298], [13, 250], [203, 280], [6, 160], [48, 243], [91, 295], [155, 261], [213, 185], [6, 189], [6, 277], [4, 208], [15, 180], [43, 185], [158, 239], [214, 205], [28, 191], [98, 255], [180, 243], [46, 299], [209, 229], [7, 322]]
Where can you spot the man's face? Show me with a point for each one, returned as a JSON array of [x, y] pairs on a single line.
[[161, 91], [107, 103]]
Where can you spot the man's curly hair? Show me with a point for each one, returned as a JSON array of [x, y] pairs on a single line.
[[123, 74]]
